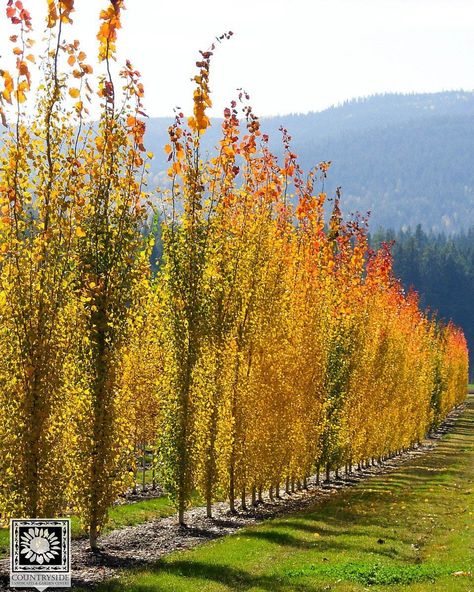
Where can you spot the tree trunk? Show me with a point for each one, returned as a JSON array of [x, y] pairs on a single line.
[[231, 489], [244, 501], [210, 467], [102, 396], [33, 429], [208, 498], [181, 509], [153, 471], [93, 536], [328, 473]]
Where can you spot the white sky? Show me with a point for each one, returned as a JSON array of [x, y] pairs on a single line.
[[290, 55]]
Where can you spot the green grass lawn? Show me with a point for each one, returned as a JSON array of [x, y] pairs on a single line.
[[406, 530]]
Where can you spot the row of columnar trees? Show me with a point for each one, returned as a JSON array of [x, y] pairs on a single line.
[[269, 344], [290, 345]]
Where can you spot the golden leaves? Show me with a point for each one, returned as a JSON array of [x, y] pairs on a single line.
[[8, 85], [52, 14], [200, 121], [137, 129], [23, 69], [175, 169], [20, 96], [110, 23], [59, 10], [67, 6], [23, 73]]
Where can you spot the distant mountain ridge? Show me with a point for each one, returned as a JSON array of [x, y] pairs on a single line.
[[406, 158]]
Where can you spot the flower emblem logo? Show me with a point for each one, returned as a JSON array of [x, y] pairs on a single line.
[[38, 545]]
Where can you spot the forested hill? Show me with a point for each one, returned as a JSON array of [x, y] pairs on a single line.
[[441, 269], [406, 158]]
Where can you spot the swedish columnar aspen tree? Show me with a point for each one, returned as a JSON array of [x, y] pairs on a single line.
[[39, 197], [185, 241], [112, 260]]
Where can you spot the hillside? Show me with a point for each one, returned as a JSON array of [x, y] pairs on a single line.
[[405, 158]]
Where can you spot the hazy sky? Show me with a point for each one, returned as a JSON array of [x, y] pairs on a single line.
[[292, 55]]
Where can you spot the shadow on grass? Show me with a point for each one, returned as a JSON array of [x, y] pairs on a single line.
[[279, 538], [235, 579], [238, 579], [330, 543], [324, 531]]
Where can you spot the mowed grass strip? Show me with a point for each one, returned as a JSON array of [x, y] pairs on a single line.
[[411, 529]]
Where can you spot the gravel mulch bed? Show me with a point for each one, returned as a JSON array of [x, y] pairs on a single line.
[[143, 544], [140, 494]]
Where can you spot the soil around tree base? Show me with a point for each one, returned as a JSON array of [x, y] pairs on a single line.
[[143, 544]]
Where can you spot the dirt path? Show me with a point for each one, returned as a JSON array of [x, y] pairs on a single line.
[[142, 544]]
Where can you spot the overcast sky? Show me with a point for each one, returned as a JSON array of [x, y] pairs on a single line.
[[291, 55]]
